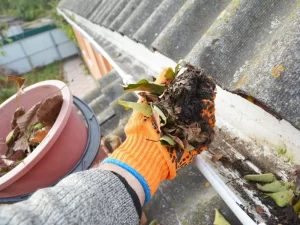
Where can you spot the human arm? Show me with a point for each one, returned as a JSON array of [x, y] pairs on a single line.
[[95, 196]]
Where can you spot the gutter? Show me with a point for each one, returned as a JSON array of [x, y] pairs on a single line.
[[243, 118]]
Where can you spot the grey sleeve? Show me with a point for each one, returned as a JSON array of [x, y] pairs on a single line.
[[91, 197]]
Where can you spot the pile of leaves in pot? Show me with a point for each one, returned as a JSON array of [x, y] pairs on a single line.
[[28, 129]]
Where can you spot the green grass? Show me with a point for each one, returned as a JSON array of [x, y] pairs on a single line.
[[52, 71]]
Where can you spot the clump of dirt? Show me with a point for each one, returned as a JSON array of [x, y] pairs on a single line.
[[182, 109], [189, 104]]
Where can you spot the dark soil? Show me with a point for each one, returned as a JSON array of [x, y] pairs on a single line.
[[284, 215], [189, 100]]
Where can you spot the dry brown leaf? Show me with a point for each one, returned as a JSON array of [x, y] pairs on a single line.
[[156, 119], [20, 81], [20, 111], [151, 98], [9, 152], [39, 135], [111, 143], [259, 209], [193, 133], [8, 165], [142, 94], [28, 118], [8, 162], [148, 96], [185, 143], [21, 144], [178, 141], [193, 125], [168, 130], [216, 157], [49, 110]]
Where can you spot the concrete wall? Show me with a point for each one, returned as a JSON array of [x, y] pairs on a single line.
[[39, 50]]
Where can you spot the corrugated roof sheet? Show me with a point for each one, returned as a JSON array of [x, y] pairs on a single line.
[[250, 47]]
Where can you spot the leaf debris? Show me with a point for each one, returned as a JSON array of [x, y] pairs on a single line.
[[183, 110], [28, 130]]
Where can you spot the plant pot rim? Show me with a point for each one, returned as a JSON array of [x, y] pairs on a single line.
[[49, 139]]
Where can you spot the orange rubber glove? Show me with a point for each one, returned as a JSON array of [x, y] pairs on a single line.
[[144, 157]]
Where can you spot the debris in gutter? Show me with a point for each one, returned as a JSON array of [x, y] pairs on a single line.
[[285, 203], [216, 157], [265, 178]]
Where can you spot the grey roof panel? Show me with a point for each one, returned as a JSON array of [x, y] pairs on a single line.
[[187, 27], [139, 16], [157, 21], [249, 47], [251, 44], [125, 14], [78, 6], [83, 7], [116, 11], [108, 9], [102, 11], [93, 17], [91, 7], [73, 6]]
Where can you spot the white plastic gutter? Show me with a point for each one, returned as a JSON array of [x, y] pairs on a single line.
[[253, 122], [226, 194]]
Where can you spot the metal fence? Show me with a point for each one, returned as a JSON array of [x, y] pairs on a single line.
[[41, 49]]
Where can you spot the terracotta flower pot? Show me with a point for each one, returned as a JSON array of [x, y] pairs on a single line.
[[57, 154]]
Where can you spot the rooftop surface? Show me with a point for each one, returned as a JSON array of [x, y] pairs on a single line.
[[249, 47]]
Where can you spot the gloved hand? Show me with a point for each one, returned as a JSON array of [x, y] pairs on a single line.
[[144, 157]]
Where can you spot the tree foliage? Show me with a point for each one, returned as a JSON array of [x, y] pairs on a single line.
[[25, 9], [30, 10]]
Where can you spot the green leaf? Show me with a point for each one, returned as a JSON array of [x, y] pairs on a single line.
[[161, 114], [189, 148], [264, 178], [153, 222], [219, 219], [144, 85], [166, 140], [169, 74], [2, 53], [297, 207], [144, 109], [282, 198], [38, 126], [275, 186], [181, 62]]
